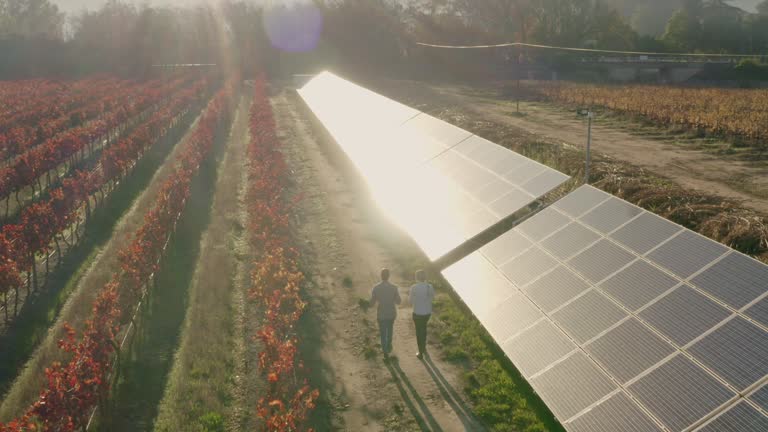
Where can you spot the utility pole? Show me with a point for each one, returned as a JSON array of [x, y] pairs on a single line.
[[518, 72], [590, 116]]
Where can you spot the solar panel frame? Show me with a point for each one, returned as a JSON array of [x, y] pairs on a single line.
[[544, 182], [588, 383], [510, 202], [737, 351], [629, 349], [457, 156], [555, 288], [610, 215], [760, 397], [528, 265], [684, 314], [569, 240], [538, 347], [443, 131], [645, 232], [742, 417], [492, 191], [759, 311], [687, 253], [588, 315], [522, 173], [506, 162], [736, 280], [476, 265], [617, 413], [431, 156], [601, 260], [580, 201], [539, 237], [509, 245], [516, 305], [538, 227], [679, 393], [638, 284]]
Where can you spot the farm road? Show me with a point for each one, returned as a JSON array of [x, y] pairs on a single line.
[[345, 242], [725, 176]]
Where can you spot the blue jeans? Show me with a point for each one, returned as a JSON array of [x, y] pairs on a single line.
[[385, 331]]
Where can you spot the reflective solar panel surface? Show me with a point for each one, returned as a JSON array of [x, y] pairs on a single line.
[[630, 322], [743, 417], [441, 184]]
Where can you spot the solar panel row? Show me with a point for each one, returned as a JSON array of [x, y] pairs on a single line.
[[621, 320], [438, 182]]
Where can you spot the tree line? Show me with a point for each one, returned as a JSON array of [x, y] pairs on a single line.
[[36, 38]]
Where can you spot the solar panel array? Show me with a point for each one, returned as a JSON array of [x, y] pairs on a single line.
[[441, 184], [623, 321]]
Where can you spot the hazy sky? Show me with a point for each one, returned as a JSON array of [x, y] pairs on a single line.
[[70, 6], [77, 5], [748, 4]]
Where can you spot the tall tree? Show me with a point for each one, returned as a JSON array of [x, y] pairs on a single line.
[[30, 18], [576, 23], [610, 31], [510, 19], [762, 8], [563, 22], [683, 32], [650, 17]]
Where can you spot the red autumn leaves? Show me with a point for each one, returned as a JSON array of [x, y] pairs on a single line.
[[75, 388], [43, 223], [39, 152], [276, 278]]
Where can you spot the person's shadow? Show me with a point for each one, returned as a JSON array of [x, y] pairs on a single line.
[[463, 412], [422, 414]]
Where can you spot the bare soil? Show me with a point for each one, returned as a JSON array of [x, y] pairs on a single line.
[[690, 167], [345, 242]]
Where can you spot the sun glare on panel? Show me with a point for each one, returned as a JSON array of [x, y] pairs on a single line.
[[392, 160]]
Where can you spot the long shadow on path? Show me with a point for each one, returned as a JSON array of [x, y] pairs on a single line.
[[423, 416], [463, 412]]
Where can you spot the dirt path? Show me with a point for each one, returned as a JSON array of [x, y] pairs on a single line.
[[77, 308], [691, 168], [341, 235], [201, 381]]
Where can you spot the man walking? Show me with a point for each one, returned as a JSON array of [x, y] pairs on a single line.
[[387, 296], [421, 297]]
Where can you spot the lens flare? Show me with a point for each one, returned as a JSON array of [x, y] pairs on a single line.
[[294, 28]]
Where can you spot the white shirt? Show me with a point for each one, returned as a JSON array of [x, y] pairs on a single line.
[[421, 298]]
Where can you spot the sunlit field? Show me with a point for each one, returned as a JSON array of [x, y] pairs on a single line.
[[355, 215]]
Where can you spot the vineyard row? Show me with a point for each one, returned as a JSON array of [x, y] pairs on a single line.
[[276, 278], [43, 224], [730, 112], [75, 388]]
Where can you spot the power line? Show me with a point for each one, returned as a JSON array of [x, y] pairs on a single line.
[[588, 50], [184, 65]]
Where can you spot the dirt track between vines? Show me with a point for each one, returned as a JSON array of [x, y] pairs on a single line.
[[345, 242]]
